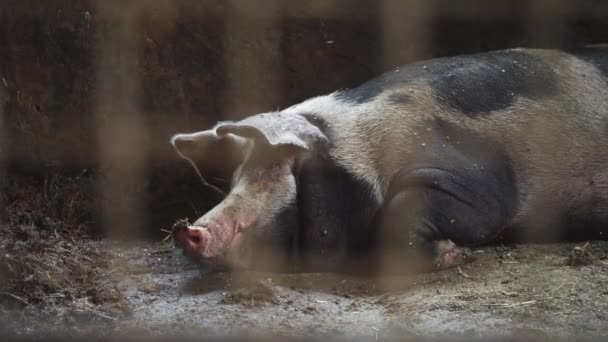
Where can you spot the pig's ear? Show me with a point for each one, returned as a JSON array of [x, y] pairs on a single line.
[[214, 157], [277, 129]]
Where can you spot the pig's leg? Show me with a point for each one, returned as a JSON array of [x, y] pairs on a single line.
[[436, 211]]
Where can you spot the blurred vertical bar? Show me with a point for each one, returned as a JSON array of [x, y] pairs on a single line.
[[547, 22], [122, 131], [406, 30], [4, 98], [406, 33], [3, 156], [253, 75], [3, 142]]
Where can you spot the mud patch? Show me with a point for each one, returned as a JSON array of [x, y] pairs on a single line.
[[180, 224], [260, 292]]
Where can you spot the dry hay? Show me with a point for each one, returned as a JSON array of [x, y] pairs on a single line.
[[586, 254], [50, 265]]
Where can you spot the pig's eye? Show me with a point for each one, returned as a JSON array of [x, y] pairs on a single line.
[[275, 165]]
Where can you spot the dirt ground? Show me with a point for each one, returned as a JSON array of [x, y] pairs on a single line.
[[60, 278], [531, 291]]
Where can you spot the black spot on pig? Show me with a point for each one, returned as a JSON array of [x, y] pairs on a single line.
[[399, 99], [598, 56], [472, 84], [364, 93], [486, 83], [369, 90], [336, 209]]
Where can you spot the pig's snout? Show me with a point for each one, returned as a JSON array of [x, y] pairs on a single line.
[[193, 240]]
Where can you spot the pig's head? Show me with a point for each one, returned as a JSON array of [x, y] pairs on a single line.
[[256, 159]]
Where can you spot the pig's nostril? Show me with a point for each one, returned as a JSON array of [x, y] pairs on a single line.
[[195, 239]]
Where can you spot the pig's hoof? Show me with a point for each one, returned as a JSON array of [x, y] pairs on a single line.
[[448, 255]]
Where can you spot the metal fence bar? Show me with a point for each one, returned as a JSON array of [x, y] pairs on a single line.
[[122, 130], [3, 137], [406, 30], [253, 79], [547, 21], [406, 34]]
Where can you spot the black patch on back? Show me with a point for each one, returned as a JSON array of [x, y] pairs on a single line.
[[399, 99], [466, 184], [372, 88], [472, 84], [598, 56], [489, 82]]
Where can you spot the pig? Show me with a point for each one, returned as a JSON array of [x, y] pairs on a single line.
[[409, 169]]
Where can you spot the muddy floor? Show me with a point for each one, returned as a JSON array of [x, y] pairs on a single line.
[[535, 290], [58, 278], [531, 291]]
